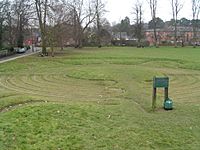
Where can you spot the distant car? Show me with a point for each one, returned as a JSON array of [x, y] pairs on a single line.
[[197, 43], [21, 50], [123, 44]]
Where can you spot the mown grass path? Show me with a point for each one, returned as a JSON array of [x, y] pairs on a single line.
[[100, 99]]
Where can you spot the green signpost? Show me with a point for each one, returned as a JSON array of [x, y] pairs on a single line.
[[161, 82]]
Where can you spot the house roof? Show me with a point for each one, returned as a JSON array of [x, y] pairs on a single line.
[[172, 28]]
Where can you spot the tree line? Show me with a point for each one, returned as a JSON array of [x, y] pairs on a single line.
[[82, 21], [55, 19]]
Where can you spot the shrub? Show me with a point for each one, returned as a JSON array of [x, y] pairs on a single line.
[[28, 47]]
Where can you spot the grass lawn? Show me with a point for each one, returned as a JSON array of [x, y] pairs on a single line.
[[100, 99]]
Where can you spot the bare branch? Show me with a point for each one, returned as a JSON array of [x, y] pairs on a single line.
[[153, 8], [176, 8]]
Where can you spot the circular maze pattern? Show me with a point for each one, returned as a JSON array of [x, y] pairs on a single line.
[[56, 87], [185, 87], [182, 87], [53, 85]]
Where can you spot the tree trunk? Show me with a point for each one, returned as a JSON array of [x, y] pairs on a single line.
[[61, 46], [98, 31], [79, 36], [155, 37], [52, 51], [20, 39], [42, 22], [175, 35], [44, 51], [43, 37], [194, 34], [61, 43], [80, 43], [1, 34]]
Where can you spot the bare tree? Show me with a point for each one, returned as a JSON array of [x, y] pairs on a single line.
[[153, 8], [62, 21], [138, 26], [195, 15], [3, 11], [100, 10], [106, 31], [50, 32], [10, 24], [42, 10], [83, 13], [22, 12], [57, 17], [176, 8]]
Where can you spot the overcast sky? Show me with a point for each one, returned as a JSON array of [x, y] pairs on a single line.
[[119, 9]]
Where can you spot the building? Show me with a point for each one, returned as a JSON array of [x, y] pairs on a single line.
[[166, 35]]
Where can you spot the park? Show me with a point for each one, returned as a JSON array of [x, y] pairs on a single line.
[[94, 98], [99, 75]]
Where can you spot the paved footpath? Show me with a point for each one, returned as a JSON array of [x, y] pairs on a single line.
[[16, 56]]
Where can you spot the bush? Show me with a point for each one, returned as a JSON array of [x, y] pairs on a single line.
[[28, 47], [133, 43], [11, 49]]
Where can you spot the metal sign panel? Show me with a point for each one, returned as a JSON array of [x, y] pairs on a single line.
[[162, 82]]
